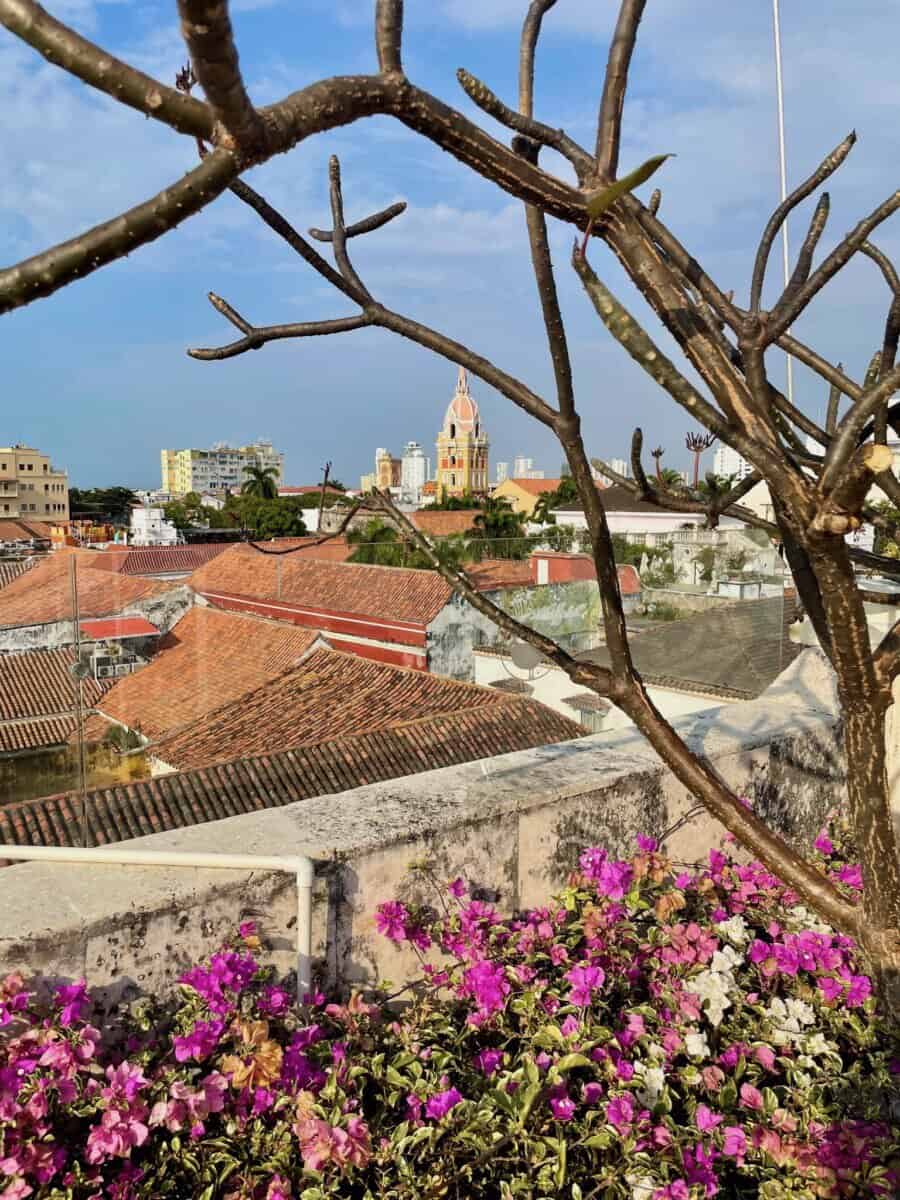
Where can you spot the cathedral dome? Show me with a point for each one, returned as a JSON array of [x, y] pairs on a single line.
[[462, 415]]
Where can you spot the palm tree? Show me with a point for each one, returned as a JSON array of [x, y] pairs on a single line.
[[376, 544], [498, 531], [669, 477], [542, 513], [261, 482]]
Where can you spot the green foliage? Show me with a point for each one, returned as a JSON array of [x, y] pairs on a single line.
[[382, 545], [267, 518], [886, 541], [101, 504], [122, 739], [707, 557], [446, 503], [498, 531], [314, 499], [598, 202]]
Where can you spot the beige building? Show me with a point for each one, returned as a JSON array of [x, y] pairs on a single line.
[[218, 468], [523, 494], [30, 487]]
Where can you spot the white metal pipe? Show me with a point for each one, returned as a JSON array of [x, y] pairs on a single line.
[[298, 865]]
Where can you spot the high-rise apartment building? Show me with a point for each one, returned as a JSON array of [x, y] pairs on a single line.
[[502, 472], [30, 487], [462, 445], [220, 467], [729, 462], [414, 472]]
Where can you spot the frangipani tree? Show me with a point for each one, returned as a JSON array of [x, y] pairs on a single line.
[[818, 497]]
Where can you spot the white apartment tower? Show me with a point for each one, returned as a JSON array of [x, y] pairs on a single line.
[[414, 472], [729, 462]]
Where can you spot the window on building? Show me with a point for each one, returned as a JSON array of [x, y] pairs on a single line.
[[452, 430]]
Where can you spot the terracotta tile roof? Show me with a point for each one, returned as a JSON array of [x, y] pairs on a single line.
[[334, 550], [15, 529], [10, 571], [391, 593], [37, 697], [307, 490], [158, 560], [330, 695], [536, 487], [40, 683], [44, 593], [250, 784], [210, 658], [442, 524], [493, 573]]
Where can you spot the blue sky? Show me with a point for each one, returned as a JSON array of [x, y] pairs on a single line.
[[97, 374]]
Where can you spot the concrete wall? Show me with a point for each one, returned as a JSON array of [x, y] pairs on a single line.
[[512, 825]]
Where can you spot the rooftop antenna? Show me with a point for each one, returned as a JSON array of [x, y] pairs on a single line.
[[779, 95]]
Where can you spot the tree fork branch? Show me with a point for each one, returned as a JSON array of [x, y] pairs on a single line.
[[206, 29], [480, 94]]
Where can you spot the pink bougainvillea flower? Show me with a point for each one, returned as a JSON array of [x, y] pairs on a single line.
[[392, 920], [487, 1061], [585, 980], [457, 888], [734, 1142], [705, 1119], [561, 1103], [751, 1097], [620, 1112], [439, 1105]]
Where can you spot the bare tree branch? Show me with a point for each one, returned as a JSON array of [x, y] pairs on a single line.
[[65, 48], [339, 232], [834, 402], [615, 83], [389, 36], [557, 139], [804, 258], [784, 315], [368, 225], [850, 428], [541, 261], [833, 375], [826, 167], [258, 336], [206, 29], [45, 273]]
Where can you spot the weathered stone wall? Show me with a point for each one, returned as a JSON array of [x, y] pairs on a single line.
[[561, 610], [512, 825], [163, 611]]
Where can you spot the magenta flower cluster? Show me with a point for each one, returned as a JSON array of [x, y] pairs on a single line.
[[679, 1034]]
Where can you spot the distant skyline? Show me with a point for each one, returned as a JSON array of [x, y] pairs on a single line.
[[97, 375]]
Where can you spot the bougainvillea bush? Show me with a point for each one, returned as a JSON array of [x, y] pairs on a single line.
[[656, 1033]]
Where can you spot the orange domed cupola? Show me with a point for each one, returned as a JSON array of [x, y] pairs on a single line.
[[462, 446]]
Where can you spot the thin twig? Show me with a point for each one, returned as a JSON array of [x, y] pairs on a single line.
[[804, 258], [367, 225], [826, 167], [259, 336]]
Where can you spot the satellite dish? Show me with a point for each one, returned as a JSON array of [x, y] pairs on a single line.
[[525, 656]]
